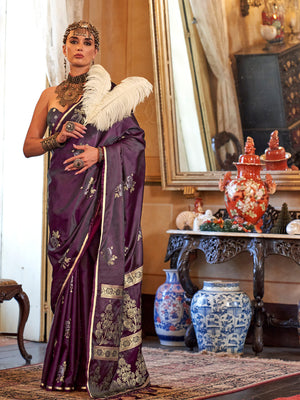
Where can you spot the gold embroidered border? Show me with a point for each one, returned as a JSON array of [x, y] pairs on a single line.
[[106, 353], [129, 342], [96, 278], [134, 277], [111, 291]]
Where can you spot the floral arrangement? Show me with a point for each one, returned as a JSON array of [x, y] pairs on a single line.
[[227, 225]]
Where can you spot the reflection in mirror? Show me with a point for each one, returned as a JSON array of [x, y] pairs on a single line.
[[227, 149], [194, 151], [177, 172]]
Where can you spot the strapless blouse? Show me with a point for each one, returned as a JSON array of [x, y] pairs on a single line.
[[53, 117]]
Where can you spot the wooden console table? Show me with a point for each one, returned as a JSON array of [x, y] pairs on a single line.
[[219, 247]]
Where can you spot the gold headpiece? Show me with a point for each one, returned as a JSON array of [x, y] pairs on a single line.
[[82, 28]]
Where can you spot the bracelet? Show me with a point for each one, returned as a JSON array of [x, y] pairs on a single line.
[[50, 143], [100, 154]]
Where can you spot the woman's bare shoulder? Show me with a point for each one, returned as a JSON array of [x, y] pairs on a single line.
[[47, 97], [49, 93]]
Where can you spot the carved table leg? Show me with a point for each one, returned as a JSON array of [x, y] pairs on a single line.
[[183, 267], [256, 248], [24, 306]]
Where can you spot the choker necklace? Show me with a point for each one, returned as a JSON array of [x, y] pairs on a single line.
[[71, 89]]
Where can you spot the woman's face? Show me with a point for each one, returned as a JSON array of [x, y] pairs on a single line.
[[80, 48]]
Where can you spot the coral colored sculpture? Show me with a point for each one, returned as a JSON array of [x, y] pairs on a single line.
[[198, 204], [275, 156], [247, 196]]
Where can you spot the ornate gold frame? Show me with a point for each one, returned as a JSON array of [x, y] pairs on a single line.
[[172, 178]]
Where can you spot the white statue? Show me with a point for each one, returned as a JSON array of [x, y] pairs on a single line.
[[201, 218]]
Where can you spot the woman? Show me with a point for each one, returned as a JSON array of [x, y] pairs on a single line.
[[95, 189]]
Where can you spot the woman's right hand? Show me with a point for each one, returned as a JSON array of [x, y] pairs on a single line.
[[71, 129]]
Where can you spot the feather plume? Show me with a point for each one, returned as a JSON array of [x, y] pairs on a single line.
[[97, 86], [103, 108]]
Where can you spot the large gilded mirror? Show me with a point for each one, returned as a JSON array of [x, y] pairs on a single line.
[[186, 106]]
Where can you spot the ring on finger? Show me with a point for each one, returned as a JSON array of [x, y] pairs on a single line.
[[78, 163], [70, 126]]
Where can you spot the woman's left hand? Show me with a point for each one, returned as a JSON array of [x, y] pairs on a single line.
[[88, 157]]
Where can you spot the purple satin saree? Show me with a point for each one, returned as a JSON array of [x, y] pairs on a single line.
[[95, 249]]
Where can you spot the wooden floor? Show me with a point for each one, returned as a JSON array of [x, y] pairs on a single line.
[[10, 358]]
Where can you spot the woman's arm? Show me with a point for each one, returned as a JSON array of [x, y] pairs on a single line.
[[33, 142], [32, 145]]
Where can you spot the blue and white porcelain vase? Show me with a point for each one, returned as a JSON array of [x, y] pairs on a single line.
[[221, 315], [171, 311]]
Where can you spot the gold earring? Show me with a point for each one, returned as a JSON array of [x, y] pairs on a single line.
[[65, 67]]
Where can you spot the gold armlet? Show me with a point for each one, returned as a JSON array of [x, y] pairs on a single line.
[[50, 143]]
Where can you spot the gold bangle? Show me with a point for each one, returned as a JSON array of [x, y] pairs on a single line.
[[50, 143]]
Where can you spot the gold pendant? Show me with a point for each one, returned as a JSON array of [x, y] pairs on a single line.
[[70, 90], [68, 93]]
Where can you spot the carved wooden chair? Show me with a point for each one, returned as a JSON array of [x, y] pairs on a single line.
[[227, 149], [11, 289]]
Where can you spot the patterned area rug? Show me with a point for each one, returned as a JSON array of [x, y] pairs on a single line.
[[174, 375]]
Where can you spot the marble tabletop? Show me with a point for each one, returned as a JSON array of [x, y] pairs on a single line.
[[233, 234]]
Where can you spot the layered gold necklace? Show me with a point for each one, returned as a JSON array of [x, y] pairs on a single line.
[[71, 89]]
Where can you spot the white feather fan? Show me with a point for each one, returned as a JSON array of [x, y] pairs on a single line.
[[103, 107]]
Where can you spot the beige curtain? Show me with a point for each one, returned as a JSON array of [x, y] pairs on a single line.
[[60, 13], [212, 28]]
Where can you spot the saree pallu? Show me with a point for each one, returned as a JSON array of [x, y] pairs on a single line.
[[95, 249]]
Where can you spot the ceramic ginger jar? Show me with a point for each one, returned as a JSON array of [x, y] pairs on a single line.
[[171, 311], [247, 196], [221, 315], [275, 157]]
